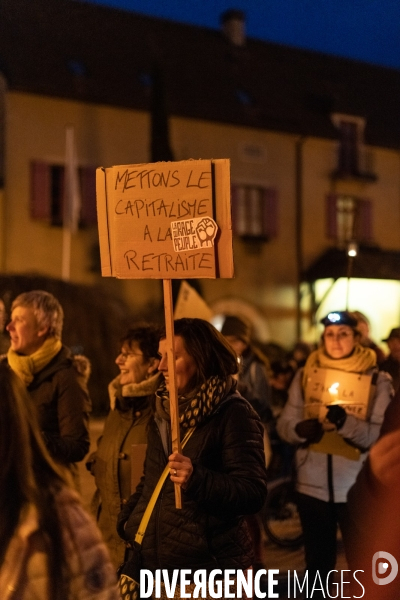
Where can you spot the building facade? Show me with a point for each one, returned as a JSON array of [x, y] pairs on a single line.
[[314, 145]]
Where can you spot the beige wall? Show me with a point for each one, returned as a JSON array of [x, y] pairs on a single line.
[[265, 274]]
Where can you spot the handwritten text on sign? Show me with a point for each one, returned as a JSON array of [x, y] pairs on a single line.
[[331, 386], [163, 220]]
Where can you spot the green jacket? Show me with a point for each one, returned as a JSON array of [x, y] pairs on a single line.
[[125, 426]]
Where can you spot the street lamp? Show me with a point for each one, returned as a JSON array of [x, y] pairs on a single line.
[[352, 249]]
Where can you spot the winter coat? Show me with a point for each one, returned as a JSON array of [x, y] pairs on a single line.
[[392, 366], [228, 482], [24, 570], [126, 424], [312, 467], [254, 385], [374, 518], [60, 394]]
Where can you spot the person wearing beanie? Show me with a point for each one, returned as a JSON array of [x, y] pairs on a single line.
[[254, 371], [332, 436], [392, 363], [254, 385]]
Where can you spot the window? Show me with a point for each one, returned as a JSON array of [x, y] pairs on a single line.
[[352, 156], [254, 212], [47, 193], [349, 219]]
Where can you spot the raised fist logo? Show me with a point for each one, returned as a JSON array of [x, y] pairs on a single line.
[[206, 231]]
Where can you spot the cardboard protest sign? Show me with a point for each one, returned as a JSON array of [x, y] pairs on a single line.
[[165, 220], [331, 386], [352, 391], [190, 304]]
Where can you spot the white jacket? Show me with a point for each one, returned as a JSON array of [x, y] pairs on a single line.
[[312, 467]]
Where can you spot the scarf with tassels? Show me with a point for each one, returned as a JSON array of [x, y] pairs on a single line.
[[360, 361], [26, 367], [195, 408]]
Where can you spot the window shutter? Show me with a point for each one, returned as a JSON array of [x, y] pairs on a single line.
[[40, 197], [270, 213], [238, 209], [88, 196], [331, 218], [254, 212], [337, 215], [364, 225]]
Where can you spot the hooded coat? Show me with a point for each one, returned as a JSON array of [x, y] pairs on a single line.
[[124, 429], [61, 397], [24, 572]]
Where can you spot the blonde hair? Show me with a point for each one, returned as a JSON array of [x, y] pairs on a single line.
[[47, 310]]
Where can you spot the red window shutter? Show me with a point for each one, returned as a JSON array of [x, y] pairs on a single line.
[[88, 196], [331, 216], [364, 224], [270, 213], [40, 197]]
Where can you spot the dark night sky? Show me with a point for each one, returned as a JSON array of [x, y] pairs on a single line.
[[367, 30]]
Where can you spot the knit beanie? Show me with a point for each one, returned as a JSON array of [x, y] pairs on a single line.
[[237, 327]]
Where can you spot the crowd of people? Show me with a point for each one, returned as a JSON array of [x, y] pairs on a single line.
[[242, 417]]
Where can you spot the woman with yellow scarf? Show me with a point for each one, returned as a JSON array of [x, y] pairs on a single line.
[[333, 414], [54, 378]]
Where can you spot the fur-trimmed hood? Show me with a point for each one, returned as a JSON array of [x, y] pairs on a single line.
[[83, 365], [147, 387]]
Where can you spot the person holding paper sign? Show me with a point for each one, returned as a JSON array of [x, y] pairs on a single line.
[[222, 472], [332, 441]]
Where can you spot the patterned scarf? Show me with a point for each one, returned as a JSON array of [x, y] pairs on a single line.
[[27, 366], [194, 409], [360, 361]]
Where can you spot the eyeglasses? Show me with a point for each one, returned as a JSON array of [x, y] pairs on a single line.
[[125, 355]]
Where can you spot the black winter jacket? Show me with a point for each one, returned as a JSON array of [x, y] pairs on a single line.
[[228, 481], [60, 394]]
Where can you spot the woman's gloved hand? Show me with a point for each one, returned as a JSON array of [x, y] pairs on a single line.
[[310, 429], [336, 415]]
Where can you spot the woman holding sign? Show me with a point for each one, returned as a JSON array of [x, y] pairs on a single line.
[[221, 469], [334, 414]]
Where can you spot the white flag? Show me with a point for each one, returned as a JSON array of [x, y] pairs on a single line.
[[72, 199]]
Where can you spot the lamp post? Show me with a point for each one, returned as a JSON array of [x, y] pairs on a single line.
[[352, 250]]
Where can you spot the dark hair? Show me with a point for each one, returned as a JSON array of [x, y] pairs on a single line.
[[28, 475], [211, 352], [147, 336]]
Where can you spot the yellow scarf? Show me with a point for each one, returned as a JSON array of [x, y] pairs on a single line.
[[27, 366], [360, 361]]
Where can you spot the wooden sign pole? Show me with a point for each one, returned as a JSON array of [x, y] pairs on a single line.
[[173, 392]]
